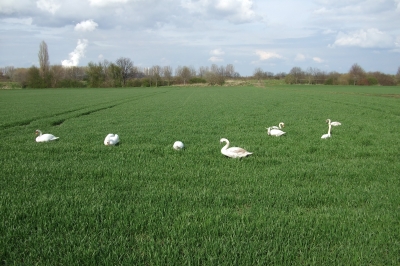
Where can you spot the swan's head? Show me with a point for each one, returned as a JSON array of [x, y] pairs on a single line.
[[38, 131], [282, 124], [328, 121], [223, 140]]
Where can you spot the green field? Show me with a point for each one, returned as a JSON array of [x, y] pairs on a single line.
[[298, 200]]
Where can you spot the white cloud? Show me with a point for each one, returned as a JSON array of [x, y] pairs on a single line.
[[217, 52], [364, 38], [48, 5], [318, 60], [77, 54], [236, 11], [215, 59], [87, 25], [102, 3], [268, 55], [300, 57]]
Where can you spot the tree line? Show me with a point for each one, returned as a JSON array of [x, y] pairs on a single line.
[[123, 73], [355, 76]]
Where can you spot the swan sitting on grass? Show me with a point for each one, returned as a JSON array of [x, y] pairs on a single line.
[[111, 139], [233, 152], [44, 137], [275, 132]]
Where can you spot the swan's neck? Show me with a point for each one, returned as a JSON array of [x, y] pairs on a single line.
[[226, 145], [280, 125], [40, 132], [329, 128]]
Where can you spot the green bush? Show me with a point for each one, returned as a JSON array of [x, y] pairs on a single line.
[[196, 80], [372, 81]]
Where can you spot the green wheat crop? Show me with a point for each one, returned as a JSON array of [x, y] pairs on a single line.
[[298, 200]]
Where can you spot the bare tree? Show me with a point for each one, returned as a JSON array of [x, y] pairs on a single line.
[[356, 72], [105, 65], [126, 66], [44, 62], [258, 74], [216, 75], [398, 75], [229, 71], [202, 71], [167, 73], [8, 71], [155, 74], [57, 74], [183, 72], [297, 74]]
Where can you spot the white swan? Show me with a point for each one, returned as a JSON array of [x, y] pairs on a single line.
[[111, 139], [178, 145], [275, 132], [233, 152], [325, 136], [44, 137], [280, 126], [333, 123]]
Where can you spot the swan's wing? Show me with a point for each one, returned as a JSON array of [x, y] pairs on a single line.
[[238, 152], [49, 137], [277, 132]]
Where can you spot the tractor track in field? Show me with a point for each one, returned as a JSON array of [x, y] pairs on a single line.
[[83, 111]]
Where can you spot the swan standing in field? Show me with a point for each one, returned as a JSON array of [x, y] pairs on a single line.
[[111, 139], [333, 123], [44, 137], [280, 126], [275, 132], [325, 136], [233, 152]]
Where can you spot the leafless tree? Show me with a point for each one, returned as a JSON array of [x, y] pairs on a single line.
[[356, 73], [105, 65], [229, 71], [126, 66], [155, 74], [310, 73], [398, 75], [202, 71], [44, 59], [297, 74], [258, 74], [8, 71], [75, 73], [184, 72], [57, 74], [167, 73]]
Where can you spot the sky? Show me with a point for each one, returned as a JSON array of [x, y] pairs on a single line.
[[274, 35]]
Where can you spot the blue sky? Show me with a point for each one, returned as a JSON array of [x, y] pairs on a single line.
[[275, 35]]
